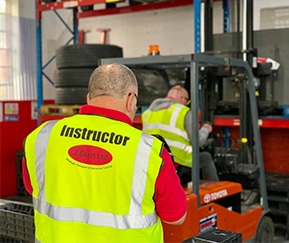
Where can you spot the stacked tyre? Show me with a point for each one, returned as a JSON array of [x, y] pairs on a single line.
[[75, 63]]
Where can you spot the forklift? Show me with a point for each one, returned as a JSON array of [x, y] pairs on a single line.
[[238, 202]]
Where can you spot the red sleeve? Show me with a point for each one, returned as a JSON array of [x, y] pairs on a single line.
[[26, 179], [170, 198]]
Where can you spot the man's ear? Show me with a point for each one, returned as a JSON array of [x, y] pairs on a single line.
[[87, 99], [130, 103]]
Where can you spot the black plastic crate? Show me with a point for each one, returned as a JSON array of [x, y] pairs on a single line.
[[17, 221], [217, 236], [9, 240]]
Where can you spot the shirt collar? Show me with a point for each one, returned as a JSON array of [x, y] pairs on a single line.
[[110, 113]]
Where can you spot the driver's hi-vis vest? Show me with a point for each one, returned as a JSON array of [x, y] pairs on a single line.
[[169, 123], [93, 180]]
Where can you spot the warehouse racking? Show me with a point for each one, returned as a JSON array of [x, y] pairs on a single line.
[[203, 33], [78, 6]]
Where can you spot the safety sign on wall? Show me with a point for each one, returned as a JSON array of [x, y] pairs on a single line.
[[11, 112]]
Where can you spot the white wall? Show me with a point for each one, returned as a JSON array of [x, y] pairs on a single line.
[[261, 4], [172, 29]]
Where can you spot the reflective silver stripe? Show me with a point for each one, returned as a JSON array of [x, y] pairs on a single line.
[[40, 152], [95, 218], [140, 173], [175, 115], [36, 240], [135, 219], [179, 145], [166, 128]]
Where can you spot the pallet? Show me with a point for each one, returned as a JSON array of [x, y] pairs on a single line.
[[61, 110]]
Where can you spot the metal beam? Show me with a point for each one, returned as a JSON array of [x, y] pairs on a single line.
[[71, 4], [138, 8]]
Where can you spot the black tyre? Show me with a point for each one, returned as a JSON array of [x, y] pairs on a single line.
[[152, 84], [85, 55], [70, 96], [265, 230], [72, 77]]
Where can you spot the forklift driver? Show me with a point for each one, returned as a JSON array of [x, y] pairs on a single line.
[[171, 119]]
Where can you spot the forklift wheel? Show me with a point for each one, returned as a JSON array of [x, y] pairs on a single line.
[[265, 231]]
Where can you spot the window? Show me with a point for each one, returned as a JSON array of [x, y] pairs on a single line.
[[2, 6], [5, 51]]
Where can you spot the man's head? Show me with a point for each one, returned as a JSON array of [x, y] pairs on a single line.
[[113, 86], [179, 94]]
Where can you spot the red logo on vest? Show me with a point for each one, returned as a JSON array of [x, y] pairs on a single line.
[[91, 155]]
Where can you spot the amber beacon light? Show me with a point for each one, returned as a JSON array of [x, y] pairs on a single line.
[[154, 50]]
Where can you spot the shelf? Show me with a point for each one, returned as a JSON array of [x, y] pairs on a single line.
[[71, 4], [281, 123], [135, 8], [110, 11], [263, 122]]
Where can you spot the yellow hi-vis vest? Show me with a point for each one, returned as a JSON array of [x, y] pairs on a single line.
[[169, 123], [93, 180]]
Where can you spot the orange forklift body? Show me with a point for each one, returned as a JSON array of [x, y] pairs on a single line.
[[211, 213]]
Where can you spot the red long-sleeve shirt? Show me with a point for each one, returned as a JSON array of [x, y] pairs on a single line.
[[170, 199]]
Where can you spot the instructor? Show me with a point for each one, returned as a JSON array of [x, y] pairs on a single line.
[[94, 177]]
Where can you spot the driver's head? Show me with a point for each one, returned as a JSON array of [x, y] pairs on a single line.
[[180, 94]]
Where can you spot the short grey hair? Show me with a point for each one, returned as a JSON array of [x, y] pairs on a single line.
[[111, 80]]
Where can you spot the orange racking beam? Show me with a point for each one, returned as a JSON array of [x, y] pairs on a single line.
[[70, 4], [263, 122], [135, 8]]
